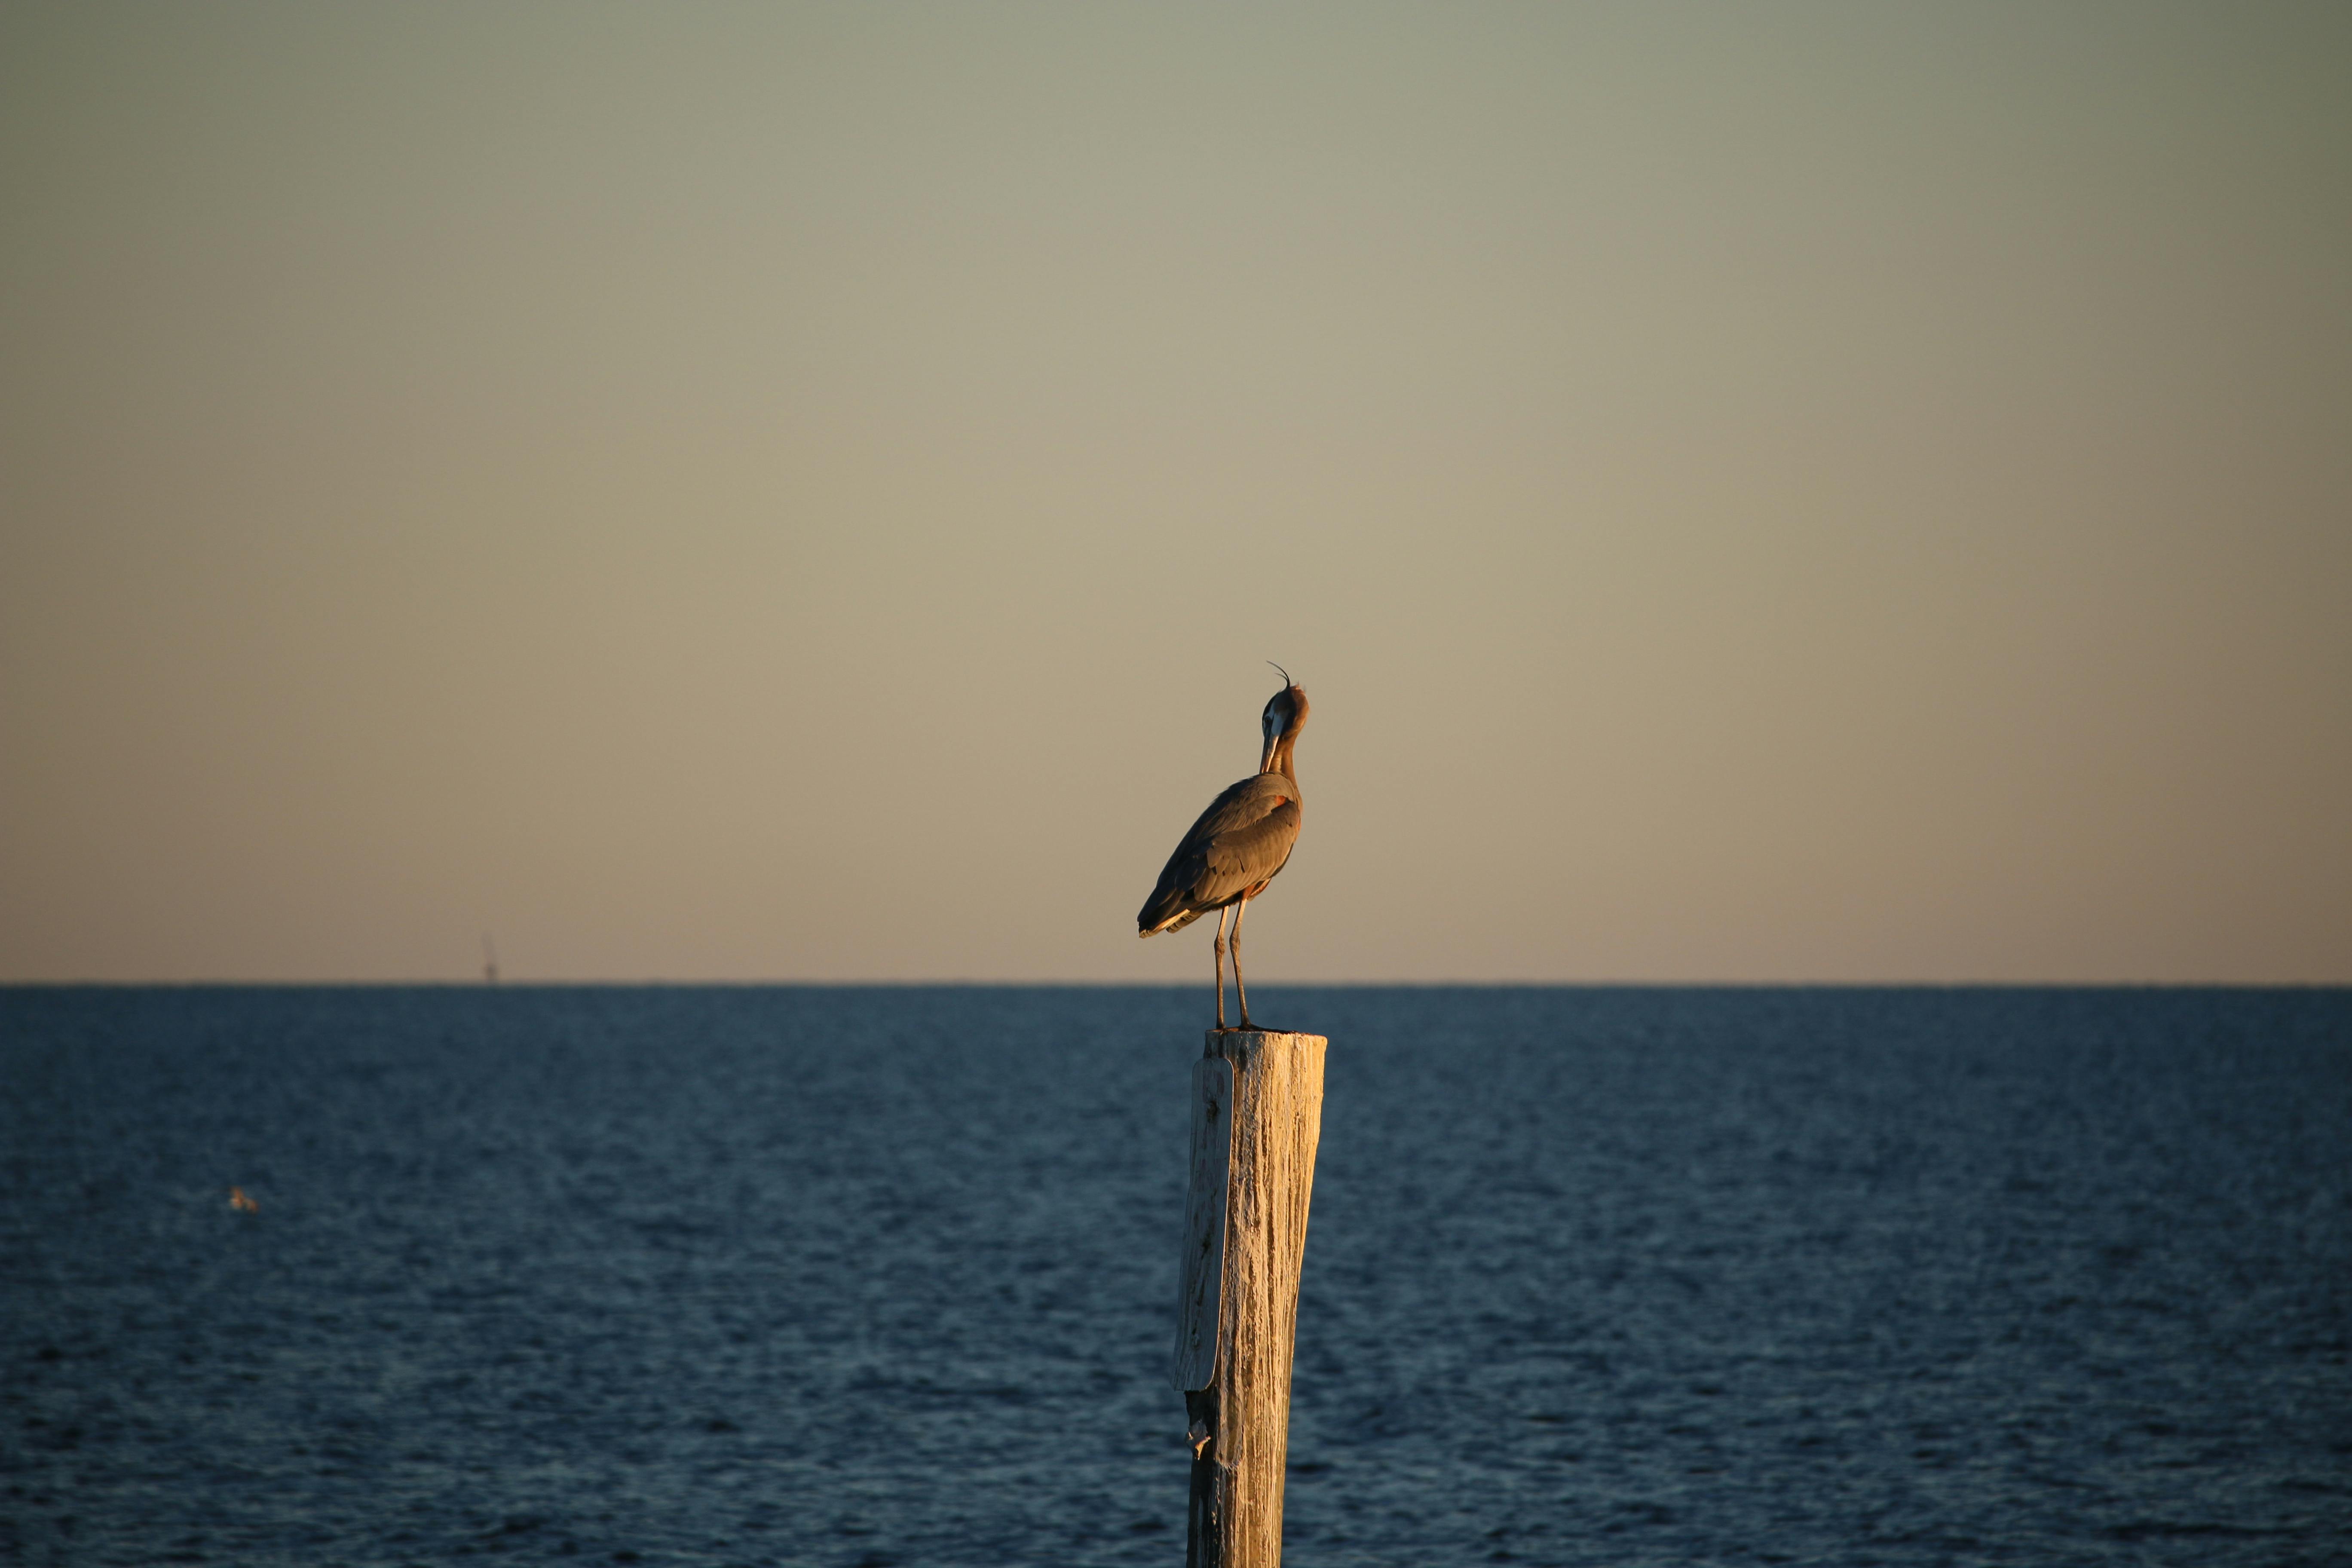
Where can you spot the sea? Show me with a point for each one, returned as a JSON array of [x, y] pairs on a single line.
[[863, 1276]]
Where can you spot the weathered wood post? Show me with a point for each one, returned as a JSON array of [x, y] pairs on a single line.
[[1258, 1114]]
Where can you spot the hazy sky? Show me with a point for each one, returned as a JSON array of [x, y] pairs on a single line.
[[1752, 492]]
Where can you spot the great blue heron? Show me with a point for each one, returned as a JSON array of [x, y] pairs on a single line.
[[1241, 843]]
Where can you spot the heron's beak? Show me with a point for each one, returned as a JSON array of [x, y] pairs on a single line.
[[1266, 758]]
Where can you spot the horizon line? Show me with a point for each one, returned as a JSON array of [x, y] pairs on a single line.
[[504, 984]]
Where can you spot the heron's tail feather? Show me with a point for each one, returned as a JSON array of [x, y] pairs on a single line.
[[1168, 910]]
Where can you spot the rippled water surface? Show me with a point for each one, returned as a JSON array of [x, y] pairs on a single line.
[[868, 1277]]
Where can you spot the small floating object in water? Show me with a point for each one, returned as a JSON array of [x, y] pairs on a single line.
[[242, 1204]]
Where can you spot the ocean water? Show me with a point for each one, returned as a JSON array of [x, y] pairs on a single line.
[[848, 1277]]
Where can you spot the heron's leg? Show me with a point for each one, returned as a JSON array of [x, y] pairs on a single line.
[[1219, 949], [1240, 909]]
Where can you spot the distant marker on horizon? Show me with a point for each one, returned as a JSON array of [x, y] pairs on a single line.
[[489, 961]]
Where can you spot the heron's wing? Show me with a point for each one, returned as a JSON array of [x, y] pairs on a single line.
[[1242, 839], [1240, 856]]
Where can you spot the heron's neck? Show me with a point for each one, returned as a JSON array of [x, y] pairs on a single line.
[[1280, 761]]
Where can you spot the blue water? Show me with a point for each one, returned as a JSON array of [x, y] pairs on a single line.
[[868, 1276]]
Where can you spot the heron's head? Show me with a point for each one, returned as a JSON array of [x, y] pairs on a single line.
[[1285, 715]]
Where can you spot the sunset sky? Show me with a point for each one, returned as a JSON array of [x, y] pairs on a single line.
[[1753, 492]]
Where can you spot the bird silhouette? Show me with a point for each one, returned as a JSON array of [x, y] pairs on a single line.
[[1239, 845]]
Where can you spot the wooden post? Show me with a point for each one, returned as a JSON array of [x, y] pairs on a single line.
[[1258, 1114]]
